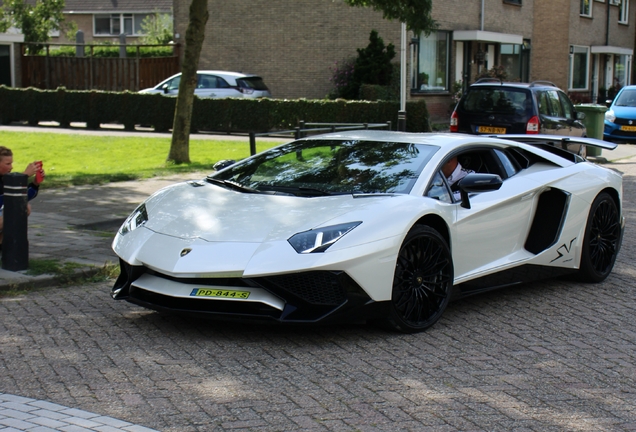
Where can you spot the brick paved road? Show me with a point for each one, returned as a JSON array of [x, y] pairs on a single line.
[[551, 356]]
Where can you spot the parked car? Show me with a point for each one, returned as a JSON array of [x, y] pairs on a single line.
[[217, 84], [492, 106], [364, 226], [620, 118]]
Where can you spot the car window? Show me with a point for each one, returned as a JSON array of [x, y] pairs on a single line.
[[496, 100], [542, 99], [206, 82], [554, 107], [221, 83], [255, 83], [439, 189], [568, 108], [173, 84], [334, 166], [508, 164], [626, 98]]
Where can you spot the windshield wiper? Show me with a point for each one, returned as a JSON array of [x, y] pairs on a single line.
[[299, 191], [232, 185]]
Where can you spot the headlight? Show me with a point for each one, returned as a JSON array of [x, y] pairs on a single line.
[[135, 220], [319, 239], [610, 116]]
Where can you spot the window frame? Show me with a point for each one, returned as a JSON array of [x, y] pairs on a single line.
[[582, 7], [416, 86], [124, 21], [623, 12], [573, 52]]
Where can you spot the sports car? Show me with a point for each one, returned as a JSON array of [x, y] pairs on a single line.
[[364, 226]]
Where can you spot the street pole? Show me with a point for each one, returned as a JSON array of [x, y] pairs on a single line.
[[15, 246], [401, 126]]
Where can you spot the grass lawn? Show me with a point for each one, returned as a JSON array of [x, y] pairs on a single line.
[[82, 159]]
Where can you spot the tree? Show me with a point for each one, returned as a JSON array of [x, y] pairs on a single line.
[[157, 29], [373, 65], [195, 34], [35, 21], [415, 13]]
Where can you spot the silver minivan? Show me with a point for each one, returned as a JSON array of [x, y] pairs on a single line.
[[217, 84]]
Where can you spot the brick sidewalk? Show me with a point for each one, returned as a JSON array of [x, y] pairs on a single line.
[[548, 356]]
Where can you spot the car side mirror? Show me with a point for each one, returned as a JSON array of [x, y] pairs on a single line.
[[580, 115], [165, 88], [477, 183], [608, 102]]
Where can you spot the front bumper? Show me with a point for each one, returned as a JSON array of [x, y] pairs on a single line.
[[302, 297], [613, 132]]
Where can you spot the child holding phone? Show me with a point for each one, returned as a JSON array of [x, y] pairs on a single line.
[[6, 166]]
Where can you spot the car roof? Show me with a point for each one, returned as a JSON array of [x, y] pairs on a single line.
[[226, 73], [435, 139], [450, 141], [493, 82]]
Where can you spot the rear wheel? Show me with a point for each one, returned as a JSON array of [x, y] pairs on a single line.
[[422, 282], [601, 241]]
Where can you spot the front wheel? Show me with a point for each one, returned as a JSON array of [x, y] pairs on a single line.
[[602, 240], [422, 281]]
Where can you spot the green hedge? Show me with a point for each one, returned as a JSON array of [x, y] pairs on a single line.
[[215, 115], [111, 51]]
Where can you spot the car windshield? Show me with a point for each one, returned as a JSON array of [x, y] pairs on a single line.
[[627, 98], [497, 100], [255, 83], [325, 167]]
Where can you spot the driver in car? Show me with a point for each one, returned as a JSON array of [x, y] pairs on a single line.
[[454, 172]]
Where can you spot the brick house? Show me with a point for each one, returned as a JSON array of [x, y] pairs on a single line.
[[105, 20], [100, 20], [583, 46]]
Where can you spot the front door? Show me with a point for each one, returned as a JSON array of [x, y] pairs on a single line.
[[5, 65]]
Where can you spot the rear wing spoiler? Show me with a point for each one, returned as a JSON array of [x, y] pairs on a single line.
[[558, 140]]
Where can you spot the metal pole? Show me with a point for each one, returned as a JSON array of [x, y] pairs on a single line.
[[15, 245], [252, 144], [402, 112]]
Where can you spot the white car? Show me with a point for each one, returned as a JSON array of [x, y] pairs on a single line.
[[363, 225], [216, 84]]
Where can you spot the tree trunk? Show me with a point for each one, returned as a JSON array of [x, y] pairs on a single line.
[[180, 145]]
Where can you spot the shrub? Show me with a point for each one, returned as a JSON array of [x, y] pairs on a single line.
[[220, 115], [372, 66], [113, 51], [342, 80]]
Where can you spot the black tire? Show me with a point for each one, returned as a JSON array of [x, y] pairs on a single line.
[[422, 281], [602, 240]]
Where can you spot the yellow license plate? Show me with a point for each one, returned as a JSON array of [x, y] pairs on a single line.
[[628, 128], [206, 292], [491, 129]]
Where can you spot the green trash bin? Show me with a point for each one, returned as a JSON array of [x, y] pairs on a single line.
[[594, 122]]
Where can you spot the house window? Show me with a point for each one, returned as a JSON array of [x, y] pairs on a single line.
[[620, 71], [115, 24], [511, 61], [586, 8], [516, 2], [431, 74], [579, 67], [623, 9]]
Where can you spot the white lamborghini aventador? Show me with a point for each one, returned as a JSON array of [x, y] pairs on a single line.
[[363, 225]]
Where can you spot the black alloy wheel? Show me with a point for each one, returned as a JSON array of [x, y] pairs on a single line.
[[422, 282], [602, 240]]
